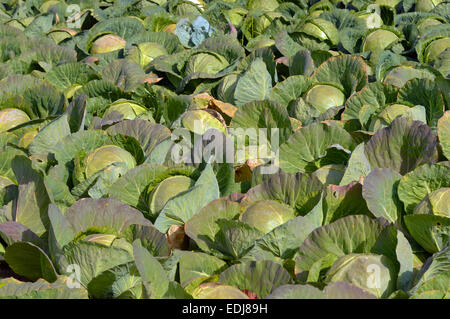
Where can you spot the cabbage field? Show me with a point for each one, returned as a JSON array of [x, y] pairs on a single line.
[[213, 149]]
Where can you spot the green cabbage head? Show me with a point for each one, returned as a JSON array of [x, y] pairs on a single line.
[[105, 156], [10, 118], [375, 273]]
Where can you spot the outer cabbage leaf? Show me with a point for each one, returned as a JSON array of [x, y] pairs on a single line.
[[402, 146]]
